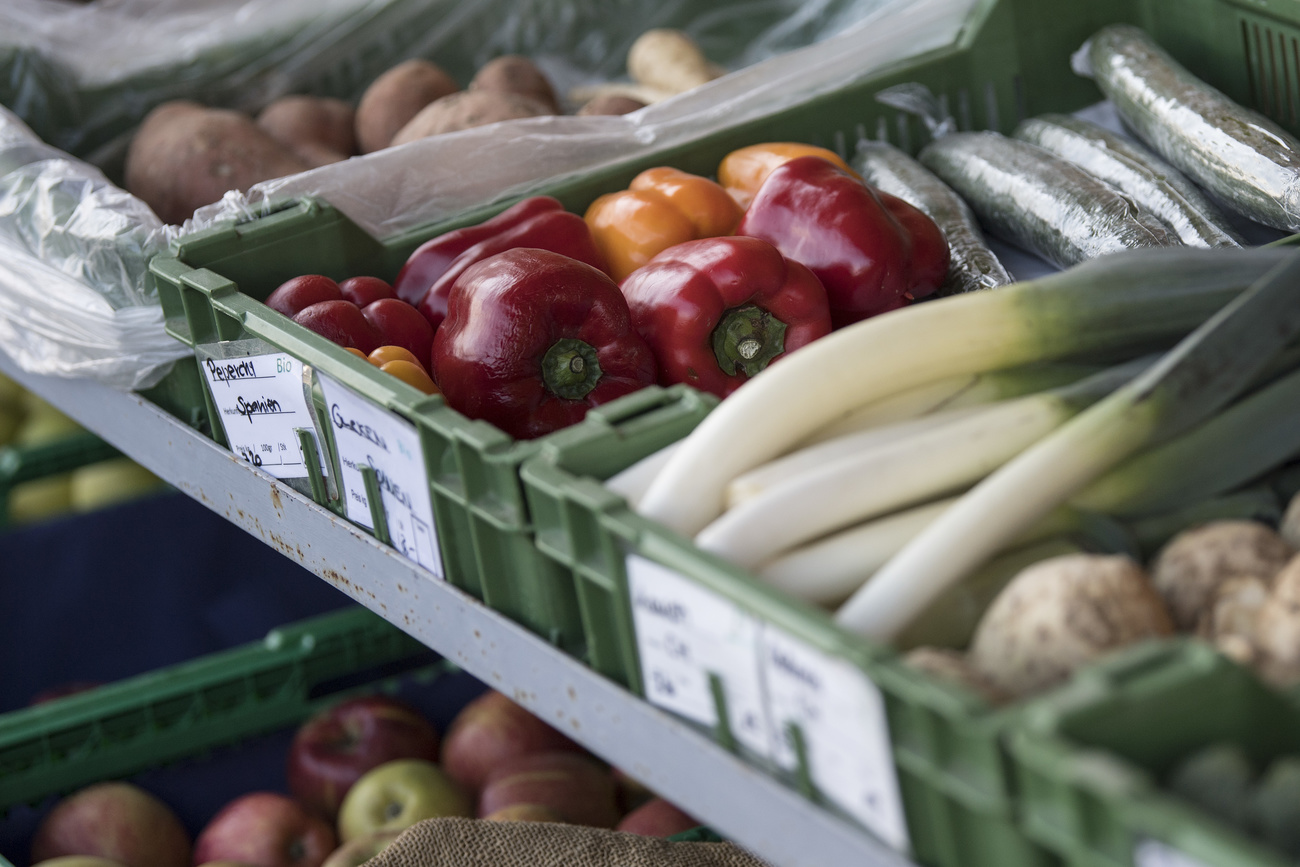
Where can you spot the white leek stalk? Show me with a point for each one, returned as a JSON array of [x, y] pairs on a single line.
[[1125, 301], [1204, 372]]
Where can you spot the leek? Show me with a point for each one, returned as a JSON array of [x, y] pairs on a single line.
[[1191, 382], [964, 390], [1125, 301], [873, 474]]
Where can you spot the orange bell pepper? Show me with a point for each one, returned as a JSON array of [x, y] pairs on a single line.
[[662, 207], [743, 171]]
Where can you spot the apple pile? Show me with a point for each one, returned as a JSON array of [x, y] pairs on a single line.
[[359, 773]]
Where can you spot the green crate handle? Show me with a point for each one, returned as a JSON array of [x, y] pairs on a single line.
[[125, 727]]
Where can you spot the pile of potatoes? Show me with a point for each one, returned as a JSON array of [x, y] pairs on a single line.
[[1233, 583], [186, 155]]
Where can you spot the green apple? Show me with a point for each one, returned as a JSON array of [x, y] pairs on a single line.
[[40, 499], [396, 795], [43, 423], [356, 852], [112, 481]]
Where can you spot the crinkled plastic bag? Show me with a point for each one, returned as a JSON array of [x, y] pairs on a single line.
[[395, 190], [74, 250]]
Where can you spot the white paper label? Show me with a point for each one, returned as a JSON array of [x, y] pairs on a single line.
[[841, 715], [1153, 853], [261, 403], [684, 633], [366, 435]]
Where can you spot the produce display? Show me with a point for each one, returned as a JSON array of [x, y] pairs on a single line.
[[28, 421], [186, 155], [360, 772]]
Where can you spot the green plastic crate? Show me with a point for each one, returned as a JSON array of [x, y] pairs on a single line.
[[122, 728], [954, 775], [1089, 760], [19, 463], [212, 290]]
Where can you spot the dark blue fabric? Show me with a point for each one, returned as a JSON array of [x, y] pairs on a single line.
[[148, 584]]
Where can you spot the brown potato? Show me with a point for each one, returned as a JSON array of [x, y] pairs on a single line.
[[611, 103], [469, 108], [395, 97], [311, 125], [516, 74], [185, 156]]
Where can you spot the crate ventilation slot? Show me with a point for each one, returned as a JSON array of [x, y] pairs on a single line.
[[1273, 71]]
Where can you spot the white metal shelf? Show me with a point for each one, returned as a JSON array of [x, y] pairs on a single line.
[[671, 757]]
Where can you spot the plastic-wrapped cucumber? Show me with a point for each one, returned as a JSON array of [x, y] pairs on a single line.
[[972, 265], [1148, 180], [1242, 158], [1040, 202]]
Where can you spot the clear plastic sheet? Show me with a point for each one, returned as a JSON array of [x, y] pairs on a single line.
[[74, 249], [395, 190]]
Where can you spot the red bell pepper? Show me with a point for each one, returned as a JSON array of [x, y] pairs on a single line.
[[719, 310], [540, 222], [534, 339], [872, 251]]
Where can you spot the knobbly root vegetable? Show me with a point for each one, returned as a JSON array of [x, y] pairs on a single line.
[[185, 156], [317, 129], [395, 97], [465, 110], [515, 74], [1189, 570], [1231, 620], [1290, 526], [671, 60], [611, 103], [1277, 628], [952, 666], [1061, 614]]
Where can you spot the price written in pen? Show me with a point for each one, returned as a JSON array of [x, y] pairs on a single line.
[[261, 405]]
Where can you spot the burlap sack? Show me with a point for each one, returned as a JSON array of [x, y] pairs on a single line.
[[476, 843]]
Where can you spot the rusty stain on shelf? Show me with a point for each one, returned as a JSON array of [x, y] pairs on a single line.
[[573, 693], [275, 501]]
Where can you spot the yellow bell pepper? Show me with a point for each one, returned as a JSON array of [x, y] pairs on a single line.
[[743, 171], [662, 207]]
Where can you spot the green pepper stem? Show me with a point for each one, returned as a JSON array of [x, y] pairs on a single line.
[[570, 368], [746, 339]]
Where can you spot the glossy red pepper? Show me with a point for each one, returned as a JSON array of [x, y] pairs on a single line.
[[719, 310], [540, 222], [872, 251], [534, 339]]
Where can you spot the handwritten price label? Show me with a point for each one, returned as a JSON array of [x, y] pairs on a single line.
[[841, 714], [367, 436], [261, 403], [686, 633]]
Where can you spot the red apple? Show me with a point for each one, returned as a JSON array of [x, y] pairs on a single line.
[[341, 322], [293, 296], [362, 291], [524, 813], [335, 747], [265, 829], [575, 786], [657, 818], [400, 324], [118, 821], [490, 730], [61, 690]]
